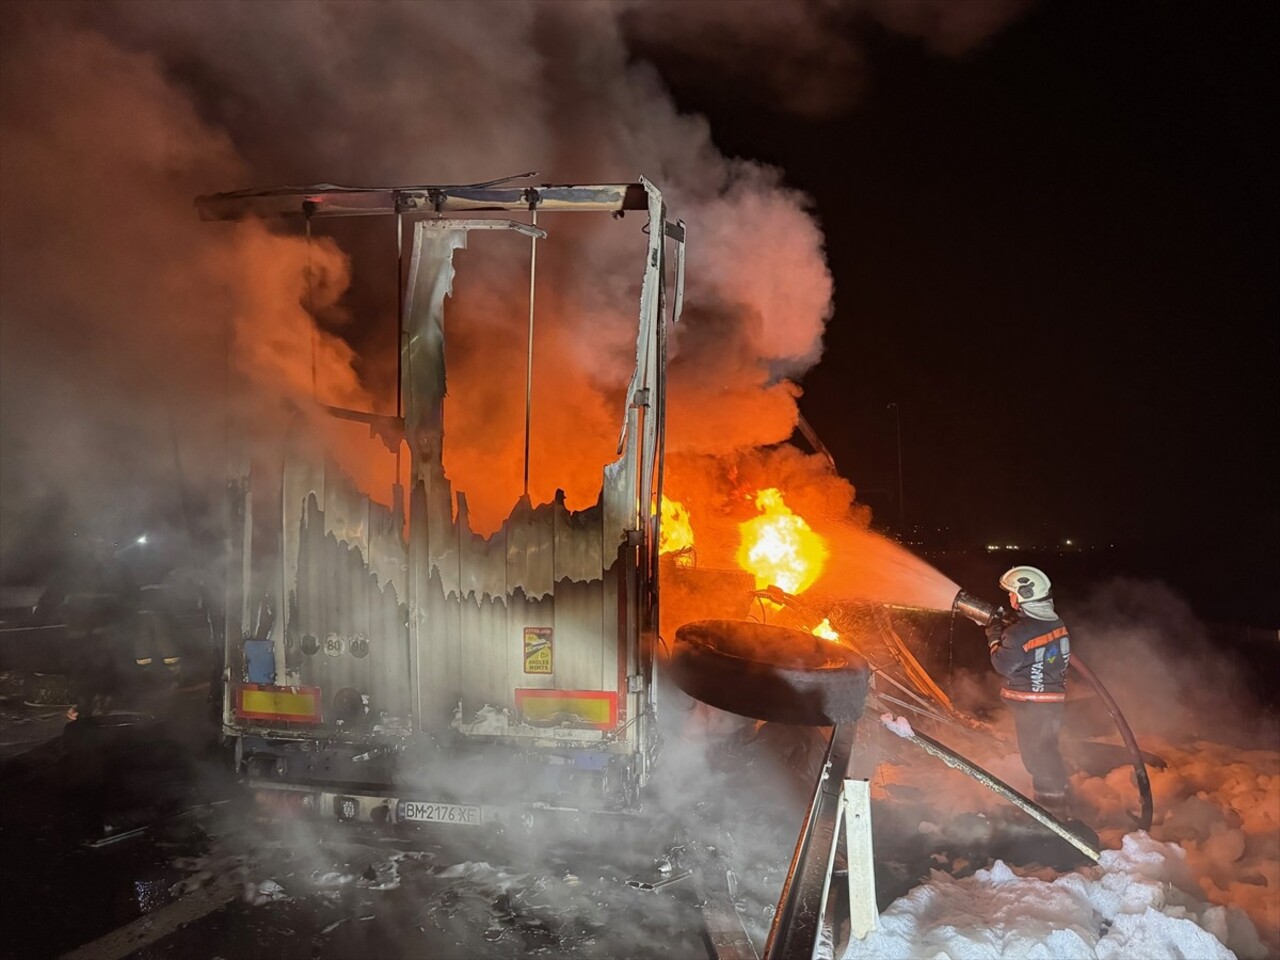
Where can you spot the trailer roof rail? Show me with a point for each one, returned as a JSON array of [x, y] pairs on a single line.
[[333, 200]]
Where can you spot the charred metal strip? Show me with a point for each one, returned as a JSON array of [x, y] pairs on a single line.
[[528, 229], [528, 377], [390, 430], [811, 437], [911, 667], [795, 928], [326, 200], [1034, 810], [639, 883], [678, 306], [352, 188]]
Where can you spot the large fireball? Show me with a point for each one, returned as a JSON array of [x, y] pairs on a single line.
[[779, 548]]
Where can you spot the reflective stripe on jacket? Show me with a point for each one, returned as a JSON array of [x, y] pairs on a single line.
[[1032, 656]]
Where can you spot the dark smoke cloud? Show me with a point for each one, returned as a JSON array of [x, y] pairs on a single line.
[[124, 320]]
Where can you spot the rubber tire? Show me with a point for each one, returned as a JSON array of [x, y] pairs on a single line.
[[769, 673]]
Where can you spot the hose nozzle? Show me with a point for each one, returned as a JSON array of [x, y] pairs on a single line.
[[979, 611]]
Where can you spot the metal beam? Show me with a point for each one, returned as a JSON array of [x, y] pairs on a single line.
[[797, 922], [330, 200]]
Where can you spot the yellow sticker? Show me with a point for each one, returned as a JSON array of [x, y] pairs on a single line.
[[537, 649]]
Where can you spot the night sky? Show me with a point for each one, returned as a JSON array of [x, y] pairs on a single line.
[[1058, 255]]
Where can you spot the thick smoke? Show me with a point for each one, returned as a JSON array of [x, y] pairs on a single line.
[[126, 329], [199, 98], [120, 311]]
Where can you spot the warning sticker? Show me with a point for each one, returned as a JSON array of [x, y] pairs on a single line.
[[537, 649]]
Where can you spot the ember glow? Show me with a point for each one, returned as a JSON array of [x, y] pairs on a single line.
[[677, 530], [779, 548]]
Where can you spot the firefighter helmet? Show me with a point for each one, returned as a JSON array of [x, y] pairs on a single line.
[[1027, 583]]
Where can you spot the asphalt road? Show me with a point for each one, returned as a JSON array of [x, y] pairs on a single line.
[[163, 854], [170, 857]]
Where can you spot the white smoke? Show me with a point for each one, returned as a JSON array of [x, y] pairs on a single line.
[[119, 310]]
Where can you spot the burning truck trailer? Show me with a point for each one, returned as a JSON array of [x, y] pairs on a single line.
[[386, 664]]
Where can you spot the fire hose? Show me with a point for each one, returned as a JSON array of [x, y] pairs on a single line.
[[1126, 734], [983, 613]]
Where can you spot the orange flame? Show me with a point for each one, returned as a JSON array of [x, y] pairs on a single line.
[[825, 630], [677, 530], [779, 548]]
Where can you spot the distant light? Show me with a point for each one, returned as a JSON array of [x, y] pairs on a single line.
[[141, 541], [1068, 543], [992, 546]]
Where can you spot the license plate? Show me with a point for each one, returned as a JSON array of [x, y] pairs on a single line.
[[464, 814]]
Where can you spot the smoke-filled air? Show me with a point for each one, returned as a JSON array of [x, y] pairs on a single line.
[[113, 130], [141, 330], [147, 357]]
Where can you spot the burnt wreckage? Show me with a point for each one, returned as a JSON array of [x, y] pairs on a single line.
[[387, 664], [367, 650]]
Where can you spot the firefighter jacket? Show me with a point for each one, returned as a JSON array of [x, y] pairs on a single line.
[[1032, 656]]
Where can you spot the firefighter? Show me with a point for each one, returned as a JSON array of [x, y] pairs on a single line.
[[1032, 654]]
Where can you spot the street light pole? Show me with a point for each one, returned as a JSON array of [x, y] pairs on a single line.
[[902, 509]]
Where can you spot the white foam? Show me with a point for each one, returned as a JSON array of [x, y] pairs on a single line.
[[1140, 901]]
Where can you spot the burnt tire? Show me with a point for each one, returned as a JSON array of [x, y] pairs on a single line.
[[769, 673]]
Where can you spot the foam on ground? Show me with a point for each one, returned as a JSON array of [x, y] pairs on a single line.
[[1140, 901]]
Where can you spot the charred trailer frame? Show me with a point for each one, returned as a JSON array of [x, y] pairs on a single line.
[[369, 654]]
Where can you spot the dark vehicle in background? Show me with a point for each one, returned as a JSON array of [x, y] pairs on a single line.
[[108, 690], [110, 630]]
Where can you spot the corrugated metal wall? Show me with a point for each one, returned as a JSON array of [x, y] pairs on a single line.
[[346, 626], [470, 640]]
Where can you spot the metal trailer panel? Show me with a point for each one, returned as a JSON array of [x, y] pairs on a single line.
[[444, 612], [347, 625], [581, 624], [487, 664], [530, 585], [480, 672], [482, 560]]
